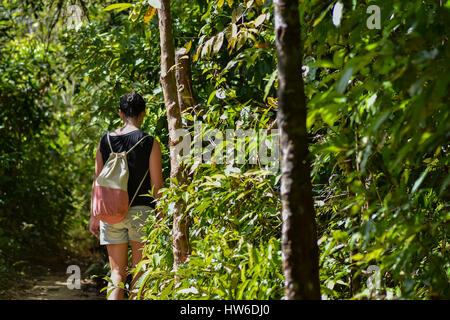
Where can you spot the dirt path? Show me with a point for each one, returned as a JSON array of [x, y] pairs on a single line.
[[53, 286]]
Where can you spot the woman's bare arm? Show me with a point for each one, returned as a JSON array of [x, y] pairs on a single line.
[[155, 163], [98, 169], [94, 223]]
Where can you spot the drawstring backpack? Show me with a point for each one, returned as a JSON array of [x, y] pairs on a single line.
[[110, 195]]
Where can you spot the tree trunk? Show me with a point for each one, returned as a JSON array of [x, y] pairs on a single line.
[[184, 83], [299, 234], [180, 232]]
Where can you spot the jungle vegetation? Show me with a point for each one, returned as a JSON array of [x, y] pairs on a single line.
[[377, 119]]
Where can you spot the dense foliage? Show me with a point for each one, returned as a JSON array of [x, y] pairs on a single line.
[[38, 196], [378, 122]]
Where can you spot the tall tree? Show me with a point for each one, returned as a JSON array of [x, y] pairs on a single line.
[[169, 85], [299, 235], [184, 82]]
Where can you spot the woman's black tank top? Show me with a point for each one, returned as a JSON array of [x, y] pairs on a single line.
[[138, 162]]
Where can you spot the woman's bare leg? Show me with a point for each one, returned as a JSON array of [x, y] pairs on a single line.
[[136, 256], [118, 260]]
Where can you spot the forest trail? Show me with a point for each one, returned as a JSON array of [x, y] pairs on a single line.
[[53, 286], [50, 283], [327, 130]]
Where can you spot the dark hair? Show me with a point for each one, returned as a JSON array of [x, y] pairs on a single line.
[[132, 104]]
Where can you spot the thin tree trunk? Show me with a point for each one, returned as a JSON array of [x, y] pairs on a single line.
[[184, 82], [299, 234], [180, 232], [186, 99]]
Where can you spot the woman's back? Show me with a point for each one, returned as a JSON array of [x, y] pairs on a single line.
[[138, 162]]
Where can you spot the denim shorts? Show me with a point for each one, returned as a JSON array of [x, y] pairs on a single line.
[[128, 229]]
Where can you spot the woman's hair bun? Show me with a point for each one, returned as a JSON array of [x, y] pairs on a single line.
[[132, 104]]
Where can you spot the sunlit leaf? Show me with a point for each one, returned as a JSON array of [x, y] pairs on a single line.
[[118, 6], [154, 3], [260, 20], [344, 80], [218, 42]]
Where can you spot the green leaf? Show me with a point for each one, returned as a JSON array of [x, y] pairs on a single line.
[[260, 20], [134, 15], [207, 47], [241, 290], [357, 256], [323, 64], [420, 180], [139, 61], [270, 83], [191, 290], [242, 39], [344, 80], [166, 291], [444, 184], [218, 43], [320, 18], [211, 97], [118, 6]]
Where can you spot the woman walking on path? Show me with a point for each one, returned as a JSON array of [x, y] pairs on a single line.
[[146, 155]]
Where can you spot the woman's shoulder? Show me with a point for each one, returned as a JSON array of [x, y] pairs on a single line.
[[116, 133], [103, 137], [149, 138], [134, 135], [142, 136], [120, 133]]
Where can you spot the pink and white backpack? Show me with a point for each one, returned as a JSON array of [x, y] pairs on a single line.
[[110, 194]]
